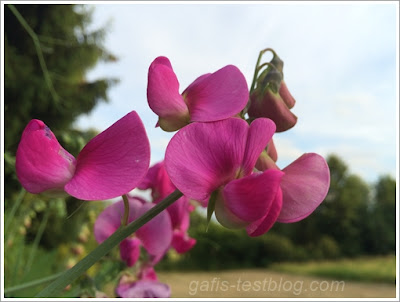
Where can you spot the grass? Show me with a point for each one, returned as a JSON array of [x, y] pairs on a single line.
[[363, 269], [363, 277]]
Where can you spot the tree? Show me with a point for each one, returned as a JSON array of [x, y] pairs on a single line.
[[48, 52], [381, 230]]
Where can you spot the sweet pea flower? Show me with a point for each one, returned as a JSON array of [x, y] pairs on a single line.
[[147, 286], [158, 181], [110, 165], [211, 97], [214, 162], [304, 185], [155, 236]]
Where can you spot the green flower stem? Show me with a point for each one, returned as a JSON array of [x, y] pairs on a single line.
[[257, 69], [123, 232], [126, 210], [253, 83]]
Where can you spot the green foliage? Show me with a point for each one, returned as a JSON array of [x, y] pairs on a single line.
[[221, 248], [48, 52], [44, 237], [380, 232]]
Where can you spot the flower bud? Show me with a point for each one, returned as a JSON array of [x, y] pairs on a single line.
[[271, 98], [271, 105]]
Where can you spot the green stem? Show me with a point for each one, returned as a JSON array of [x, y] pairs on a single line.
[[124, 231], [253, 83], [257, 69], [31, 283], [126, 210]]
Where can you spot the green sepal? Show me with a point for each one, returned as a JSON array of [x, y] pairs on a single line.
[[211, 206]]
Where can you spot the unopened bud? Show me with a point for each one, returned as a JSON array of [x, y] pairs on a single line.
[[271, 105], [270, 97]]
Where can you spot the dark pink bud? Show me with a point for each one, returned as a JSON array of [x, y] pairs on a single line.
[[271, 105]]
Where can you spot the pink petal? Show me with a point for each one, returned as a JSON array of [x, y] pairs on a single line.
[[260, 133], [217, 96], [304, 186], [150, 179], [41, 163], [130, 251], [271, 150], [272, 106], [263, 225], [286, 95], [158, 181], [156, 235], [251, 197], [110, 219], [179, 213], [147, 273], [163, 94], [203, 156], [181, 242], [143, 289], [112, 163]]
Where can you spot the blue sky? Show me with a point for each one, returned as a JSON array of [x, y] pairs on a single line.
[[340, 65]]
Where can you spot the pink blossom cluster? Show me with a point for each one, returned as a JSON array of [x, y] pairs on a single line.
[[225, 157], [222, 156]]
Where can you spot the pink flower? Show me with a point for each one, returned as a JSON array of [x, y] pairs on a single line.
[[304, 185], [158, 181], [110, 165], [211, 97], [217, 160], [155, 236], [147, 286]]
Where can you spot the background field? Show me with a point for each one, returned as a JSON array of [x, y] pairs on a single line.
[[363, 277]]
